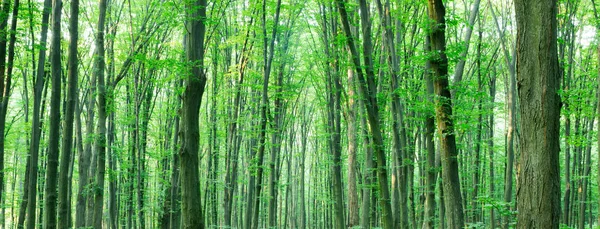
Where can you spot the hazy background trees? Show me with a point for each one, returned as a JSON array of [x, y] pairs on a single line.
[[298, 114]]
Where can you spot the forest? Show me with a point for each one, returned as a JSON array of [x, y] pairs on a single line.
[[299, 114]]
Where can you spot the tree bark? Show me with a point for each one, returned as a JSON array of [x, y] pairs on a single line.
[[538, 192], [445, 122], [353, 210], [191, 210]]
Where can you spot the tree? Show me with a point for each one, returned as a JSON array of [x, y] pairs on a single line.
[[367, 88], [36, 125], [67, 145], [538, 195], [445, 124], [53, 146], [195, 80], [100, 138]]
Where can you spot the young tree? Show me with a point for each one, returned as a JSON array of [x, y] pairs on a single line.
[[368, 90], [36, 127], [53, 146], [100, 138], [538, 195], [67, 145]]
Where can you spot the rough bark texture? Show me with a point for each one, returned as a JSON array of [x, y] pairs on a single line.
[[353, 210], [191, 210], [443, 109], [538, 191]]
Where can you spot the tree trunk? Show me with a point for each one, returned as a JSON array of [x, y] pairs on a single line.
[[67, 145], [478, 143], [583, 191], [333, 129], [368, 92], [192, 216], [100, 144], [431, 177], [36, 127], [538, 195], [492, 191], [460, 67], [5, 81], [445, 122], [353, 210]]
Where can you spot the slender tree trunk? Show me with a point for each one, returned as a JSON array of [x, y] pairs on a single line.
[[213, 145], [36, 126], [67, 147], [111, 136], [353, 210], [5, 79], [478, 143], [4, 102], [100, 144], [492, 84], [302, 196], [268, 51], [431, 178], [53, 146], [460, 66], [233, 138], [333, 90], [598, 103], [586, 173], [83, 168], [368, 91], [538, 195]]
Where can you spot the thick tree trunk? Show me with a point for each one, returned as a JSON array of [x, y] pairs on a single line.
[[439, 65], [538, 194], [191, 210]]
